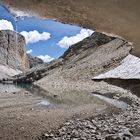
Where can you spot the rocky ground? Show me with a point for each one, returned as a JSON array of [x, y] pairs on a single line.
[[115, 125], [70, 115], [26, 115]]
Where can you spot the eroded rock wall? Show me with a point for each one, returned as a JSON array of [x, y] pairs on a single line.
[[13, 50], [34, 61]]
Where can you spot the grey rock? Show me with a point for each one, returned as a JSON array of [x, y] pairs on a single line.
[[13, 50], [34, 61], [113, 137]]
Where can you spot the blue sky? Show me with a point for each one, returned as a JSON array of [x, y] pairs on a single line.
[[61, 35], [57, 31]]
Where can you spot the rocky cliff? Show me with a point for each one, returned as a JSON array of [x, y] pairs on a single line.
[[13, 50], [34, 61]]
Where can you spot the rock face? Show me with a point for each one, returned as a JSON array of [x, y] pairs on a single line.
[[95, 40], [34, 61], [13, 50]]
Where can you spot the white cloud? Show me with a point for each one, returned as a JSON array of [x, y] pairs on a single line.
[[35, 36], [6, 25], [66, 42], [45, 58], [29, 51]]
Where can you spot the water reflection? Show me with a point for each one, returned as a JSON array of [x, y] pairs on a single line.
[[33, 89], [9, 88], [118, 104]]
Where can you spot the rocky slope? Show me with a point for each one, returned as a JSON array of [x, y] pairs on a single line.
[[13, 50], [113, 16]]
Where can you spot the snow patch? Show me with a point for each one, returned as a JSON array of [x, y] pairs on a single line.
[[129, 69]]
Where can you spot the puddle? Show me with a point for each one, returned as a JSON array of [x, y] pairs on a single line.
[[42, 96], [118, 104], [38, 91], [6, 88]]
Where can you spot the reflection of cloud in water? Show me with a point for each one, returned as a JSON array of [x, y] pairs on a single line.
[[44, 102]]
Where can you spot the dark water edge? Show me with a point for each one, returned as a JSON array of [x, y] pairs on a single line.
[[129, 84], [31, 88]]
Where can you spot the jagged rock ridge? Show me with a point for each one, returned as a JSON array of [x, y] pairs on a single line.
[[34, 61]]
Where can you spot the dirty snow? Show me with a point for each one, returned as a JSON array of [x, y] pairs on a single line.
[[129, 69]]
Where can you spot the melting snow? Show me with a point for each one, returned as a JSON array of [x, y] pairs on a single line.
[[129, 69]]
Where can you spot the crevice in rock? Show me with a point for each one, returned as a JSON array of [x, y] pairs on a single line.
[[7, 58]]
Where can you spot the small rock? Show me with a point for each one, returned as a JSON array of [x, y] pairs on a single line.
[[55, 95], [112, 137], [46, 135], [26, 92]]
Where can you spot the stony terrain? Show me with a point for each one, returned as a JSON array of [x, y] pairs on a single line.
[[115, 125], [104, 126], [25, 114]]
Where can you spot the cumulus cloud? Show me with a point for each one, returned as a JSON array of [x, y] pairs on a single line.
[[66, 42], [29, 51], [45, 58], [6, 25], [35, 36]]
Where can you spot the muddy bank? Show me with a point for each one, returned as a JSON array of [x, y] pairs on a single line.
[[130, 84]]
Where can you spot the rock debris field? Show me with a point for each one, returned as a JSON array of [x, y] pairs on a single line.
[[123, 125]]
